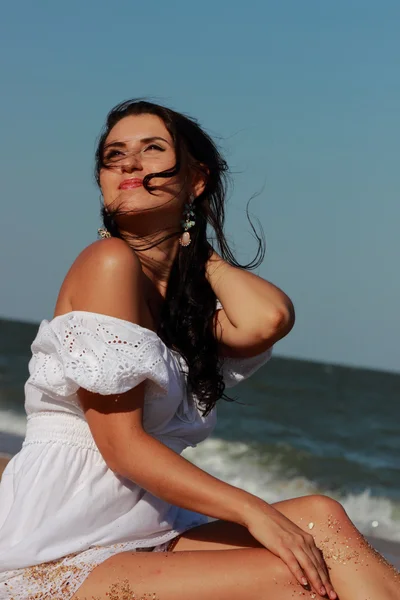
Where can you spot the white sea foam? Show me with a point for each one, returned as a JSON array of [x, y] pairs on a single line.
[[12, 423], [234, 463]]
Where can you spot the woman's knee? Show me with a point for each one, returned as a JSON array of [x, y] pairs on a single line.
[[315, 508], [325, 507]]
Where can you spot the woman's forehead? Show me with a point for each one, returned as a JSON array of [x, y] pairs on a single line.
[[134, 128]]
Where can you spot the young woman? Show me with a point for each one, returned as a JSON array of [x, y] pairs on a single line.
[[150, 325]]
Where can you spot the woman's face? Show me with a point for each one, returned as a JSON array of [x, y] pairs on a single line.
[[135, 147]]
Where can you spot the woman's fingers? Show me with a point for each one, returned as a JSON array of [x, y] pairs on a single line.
[[324, 573], [313, 571], [304, 568], [317, 555], [293, 564], [316, 572]]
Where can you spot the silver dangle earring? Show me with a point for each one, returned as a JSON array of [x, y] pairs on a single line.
[[189, 222], [103, 233]]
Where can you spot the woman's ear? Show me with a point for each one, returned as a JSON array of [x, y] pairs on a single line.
[[199, 180]]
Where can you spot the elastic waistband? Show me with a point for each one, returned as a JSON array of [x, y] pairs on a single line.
[[59, 427]]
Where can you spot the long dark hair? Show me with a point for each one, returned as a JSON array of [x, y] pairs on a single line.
[[186, 317]]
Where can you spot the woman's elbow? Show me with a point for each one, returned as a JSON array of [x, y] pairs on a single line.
[[280, 321], [286, 318]]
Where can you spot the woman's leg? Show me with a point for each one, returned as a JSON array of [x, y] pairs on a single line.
[[357, 571], [251, 574], [232, 564]]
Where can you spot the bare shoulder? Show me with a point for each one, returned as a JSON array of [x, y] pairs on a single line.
[[107, 255], [104, 278]]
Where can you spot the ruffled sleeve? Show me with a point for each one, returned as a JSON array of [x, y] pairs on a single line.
[[100, 353], [235, 370]]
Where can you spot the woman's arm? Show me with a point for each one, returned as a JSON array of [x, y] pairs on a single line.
[[129, 451], [107, 280], [255, 314]]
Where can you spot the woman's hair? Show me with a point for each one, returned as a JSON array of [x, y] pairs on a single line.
[[190, 303]]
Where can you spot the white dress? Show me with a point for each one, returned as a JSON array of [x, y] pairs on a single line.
[[62, 510]]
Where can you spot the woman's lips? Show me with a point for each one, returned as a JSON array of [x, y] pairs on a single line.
[[129, 184]]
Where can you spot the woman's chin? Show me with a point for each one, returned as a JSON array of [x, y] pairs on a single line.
[[138, 199]]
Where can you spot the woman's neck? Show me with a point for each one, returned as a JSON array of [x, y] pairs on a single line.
[[156, 262], [155, 253], [156, 266]]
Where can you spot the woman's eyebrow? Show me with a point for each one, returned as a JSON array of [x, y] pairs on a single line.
[[154, 137], [143, 141], [117, 144]]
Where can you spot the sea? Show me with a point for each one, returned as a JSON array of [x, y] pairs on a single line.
[[294, 428]]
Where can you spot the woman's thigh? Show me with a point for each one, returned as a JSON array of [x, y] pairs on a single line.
[[232, 564], [320, 511], [235, 574]]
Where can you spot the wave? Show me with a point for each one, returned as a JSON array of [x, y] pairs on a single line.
[[12, 422], [236, 464]]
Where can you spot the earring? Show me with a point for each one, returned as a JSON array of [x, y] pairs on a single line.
[[103, 233], [188, 212]]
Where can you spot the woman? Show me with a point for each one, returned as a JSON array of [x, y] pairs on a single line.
[[149, 326]]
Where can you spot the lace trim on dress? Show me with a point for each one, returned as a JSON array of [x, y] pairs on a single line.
[[107, 355], [100, 353]]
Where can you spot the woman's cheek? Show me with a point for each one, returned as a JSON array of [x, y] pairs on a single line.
[[107, 194], [107, 186]]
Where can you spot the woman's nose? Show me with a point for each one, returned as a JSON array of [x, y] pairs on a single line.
[[131, 163]]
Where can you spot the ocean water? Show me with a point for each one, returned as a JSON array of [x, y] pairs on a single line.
[[302, 428]]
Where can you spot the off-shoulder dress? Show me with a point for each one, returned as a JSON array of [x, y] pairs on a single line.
[[62, 510]]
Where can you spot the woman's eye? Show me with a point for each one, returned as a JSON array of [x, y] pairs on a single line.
[[112, 154], [154, 147]]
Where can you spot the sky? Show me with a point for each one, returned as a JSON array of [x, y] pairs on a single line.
[[303, 98]]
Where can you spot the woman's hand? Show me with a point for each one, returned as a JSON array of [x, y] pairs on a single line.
[[294, 546]]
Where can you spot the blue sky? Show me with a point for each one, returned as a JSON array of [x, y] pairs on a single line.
[[304, 100]]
